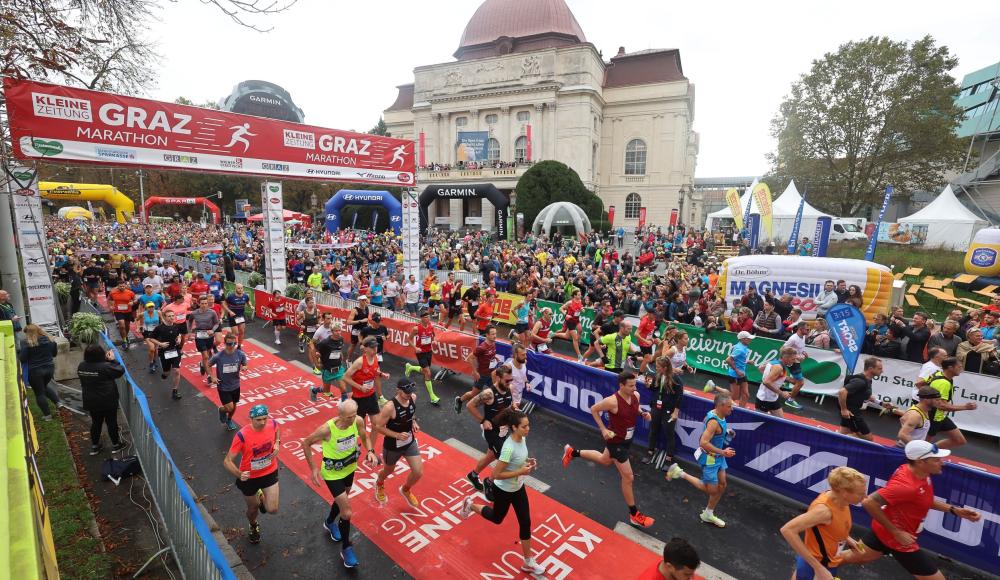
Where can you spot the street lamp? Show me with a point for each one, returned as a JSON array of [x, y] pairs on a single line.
[[142, 198]]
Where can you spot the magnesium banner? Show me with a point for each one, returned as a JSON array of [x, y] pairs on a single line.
[[62, 124], [272, 208]]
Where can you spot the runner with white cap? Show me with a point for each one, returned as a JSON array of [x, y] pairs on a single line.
[[739, 388]]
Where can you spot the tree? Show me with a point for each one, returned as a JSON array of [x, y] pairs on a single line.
[[206, 105], [547, 182], [874, 113], [380, 129]]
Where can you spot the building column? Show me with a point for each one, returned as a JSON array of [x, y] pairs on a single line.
[[457, 215], [552, 131], [506, 143], [537, 132]]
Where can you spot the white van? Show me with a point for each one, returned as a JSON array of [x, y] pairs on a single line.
[[848, 229]]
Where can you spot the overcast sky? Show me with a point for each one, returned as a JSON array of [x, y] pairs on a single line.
[[342, 60]]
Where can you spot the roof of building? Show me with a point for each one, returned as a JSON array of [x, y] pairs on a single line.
[[658, 65], [404, 99], [550, 22]]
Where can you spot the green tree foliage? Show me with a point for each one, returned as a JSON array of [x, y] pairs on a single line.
[[547, 182], [380, 129], [206, 105], [873, 113]]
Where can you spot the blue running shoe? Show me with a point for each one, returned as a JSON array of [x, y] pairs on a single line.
[[347, 555], [333, 529]]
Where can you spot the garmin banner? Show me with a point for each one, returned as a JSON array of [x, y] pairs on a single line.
[[501, 203], [272, 207]]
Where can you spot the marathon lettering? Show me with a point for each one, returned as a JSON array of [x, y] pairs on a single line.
[[126, 137], [345, 146], [331, 159]]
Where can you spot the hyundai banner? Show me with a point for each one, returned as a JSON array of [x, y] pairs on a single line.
[[62, 124], [847, 325]]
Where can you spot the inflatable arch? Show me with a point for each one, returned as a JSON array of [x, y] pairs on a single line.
[[501, 205], [202, 201], [124, 207], [346, 197]]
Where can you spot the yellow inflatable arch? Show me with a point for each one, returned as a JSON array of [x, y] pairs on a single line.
[[124, 207]]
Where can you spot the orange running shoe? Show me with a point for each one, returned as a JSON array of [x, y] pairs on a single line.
[[380, 494], [409, 497], [641, 520], [567, 455]]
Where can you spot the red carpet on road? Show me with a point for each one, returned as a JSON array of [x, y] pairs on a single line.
[[432, 540]]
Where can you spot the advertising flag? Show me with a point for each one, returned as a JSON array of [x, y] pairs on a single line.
[[848, 327], [611, 215], [746, 212], [821, 238], [793, 239], [762, 195], [873, 240], [273, 212], [673, 216], [642, 216], [733, 201], [753, 228]]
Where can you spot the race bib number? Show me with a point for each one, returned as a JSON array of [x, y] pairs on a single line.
[[179, 318], [425, 340], [230, 369], [123, 307], [262, 463], [310, 329], [474, 305], [202, 334], [335, 355], [502, 432], [355, 331], [379, 357], [239, 320], [368, 386], [406, 440], [346, 444], [629, 433], [169, 354], [150, 327], [543, 347]]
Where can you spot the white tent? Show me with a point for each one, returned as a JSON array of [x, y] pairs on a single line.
[[950, 224], [783, 210]]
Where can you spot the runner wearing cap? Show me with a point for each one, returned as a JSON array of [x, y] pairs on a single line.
[[122, 302], [150, 320], [422, 337], [739, 388], [772, 381], [234, 306], [797, 341], [257, 445], [827, 526], [167, 339], [484, 360], [375, 329], [227, 364], [330, 352], [356, 321], [915, 423], [899, 509], [398, 424], [202, 323], [711, 455], [471, 300], [339, 438], [624, 412], [150, 297]]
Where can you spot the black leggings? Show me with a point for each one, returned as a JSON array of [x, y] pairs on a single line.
[[502, 500], [40, 378], [99, 418], [661, 422]]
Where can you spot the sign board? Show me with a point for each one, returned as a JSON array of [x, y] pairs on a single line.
[[263, 99], [472, 145], [272, 207], [908, 234], [411, 234]]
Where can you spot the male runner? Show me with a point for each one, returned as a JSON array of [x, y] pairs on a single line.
[[257, 445], [422, 337], [915, 423], [471, 300], [645, 339], [797, 341], [234, 306], [397, 423], [202, 324], [614, 348], [483, 360], [737, 361], [518, 365], [278, 307], [330, 353], [711, 455], [853, 397], [308, 321], [357, 320], [167, 339], [571, 322], [539, 333], [609, 326], [771, 389], [623, 411], [339, 438], [198, 288], [493, 399], [364, 379], [180, 312], [943, 382], [679, 562], [375, 329], [484, 314], [899, 509], [227, 364], [122, 303]]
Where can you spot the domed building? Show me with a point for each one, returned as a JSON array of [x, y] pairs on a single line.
[[527, 86]]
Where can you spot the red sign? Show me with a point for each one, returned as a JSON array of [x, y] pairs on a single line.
[[611, 215], [527, 150], [423, 141], [642, 216], [62, 124], [673, 217]]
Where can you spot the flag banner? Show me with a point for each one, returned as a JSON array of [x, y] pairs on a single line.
[[762, 195], [642, 217], [746, 211], [873, 240], [273, 215], [793, 240], [848, 326], [754, 227], [733, 201], [673, 216], [611, 215], [821, 237]]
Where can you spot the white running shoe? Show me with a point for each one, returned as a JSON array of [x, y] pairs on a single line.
[[466, 510], [674, 472], [277, 340], [532, 567], [712, 519]]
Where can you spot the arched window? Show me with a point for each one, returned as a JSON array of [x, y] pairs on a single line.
[[521, 149], [632, 204], [493, 150], [635, 157], [462, 121]]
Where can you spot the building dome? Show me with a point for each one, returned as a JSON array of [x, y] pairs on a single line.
[[505, 26]]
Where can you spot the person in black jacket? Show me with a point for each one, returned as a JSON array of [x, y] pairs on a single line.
[[919, 334], [98, 373], [38, 352]]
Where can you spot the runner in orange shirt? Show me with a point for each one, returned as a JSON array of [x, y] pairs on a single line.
[[484, 314], [122, 301]]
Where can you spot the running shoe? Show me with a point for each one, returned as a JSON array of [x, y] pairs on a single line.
[[277, 341], [532, 567], [118, 447], [201, 367], [95, 449], [458, 405], [409, 497], [333, 530], [712, 519], [488, 489], [175, 395], [648, 458], [222, 416], [474, 478], [641, 520], [260, 502], [152, 368], [232, 426], [347, 555], [436, 402], [312, 393], [316, 371], [253, 533], [567, 455], [674, 472], [466, 509], [793, 404], [510, 335], [380, 494], [302, 347]]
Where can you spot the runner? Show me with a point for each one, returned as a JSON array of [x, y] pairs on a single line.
[[483, 359], [422, 337], [330, 352], [150, 297], [122, 302], [345, 283], [308, 320], [571, 322], [398, 424], [198, 288], [943, 382], [446, 291], [609, 326], [180, 312], [471, 300], [167, 339], [711, 455], [278, 308], [339, 438], [771, 389], [357, 320], [234, 306], [523, 314], [827, 526], [677, 351], [364, 380], [915, 423], [539, 333], [484, 314], [227, 364], [737, 361], [665, 407], [375, 329], [623, 412], [202, 323], [614, 348], [899, 509], [454, 304], [433, 291], [680, 560], [215, 288], [854, 397], [513, 464], [493, 399], [518, 365], [797, 341], [150, 320], [257, 445], [392, 289], [646, 341]]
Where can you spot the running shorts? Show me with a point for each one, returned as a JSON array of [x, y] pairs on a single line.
[[391, 456], [367, 405], [424, 359], [857, 424], [226, 397], [494, 442], [619, 451], [331, 375], [767, 406], [250, 487], [917, 563], [339, 486], [942, 426]]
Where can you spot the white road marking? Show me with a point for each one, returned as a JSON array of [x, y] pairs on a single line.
[[532, 482], [651, 543]]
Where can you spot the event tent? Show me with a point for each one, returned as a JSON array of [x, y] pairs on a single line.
[[951, 225], [561, 213], [783, 210]]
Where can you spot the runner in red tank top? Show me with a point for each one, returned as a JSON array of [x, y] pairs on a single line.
[[571, 323], [364, 379], [539, 334], [422, 337], [623, 410]]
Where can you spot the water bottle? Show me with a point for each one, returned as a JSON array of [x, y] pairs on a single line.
[[709, 386]]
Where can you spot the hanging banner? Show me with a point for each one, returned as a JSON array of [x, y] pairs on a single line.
[[423, 143], [411, 234], [642, 217], [909, 234], [873, 240], [272, 207], [472, 146], [733, 201], [28, 224], [528, 148], [673, 216], [762, 195], [240, 204], [505, 307], [793, 240], [847, 324], [821, 237], [62, 124], [611, 215], [754, 230]]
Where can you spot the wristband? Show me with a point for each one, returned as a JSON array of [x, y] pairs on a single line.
[[951, 510]]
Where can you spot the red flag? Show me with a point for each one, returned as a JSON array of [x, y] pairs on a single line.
[[528, 150], [611, 215], [673, 217], [642, 216], [422, 142]]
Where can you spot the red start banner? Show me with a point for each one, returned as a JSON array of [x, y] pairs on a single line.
[[63, 124]]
